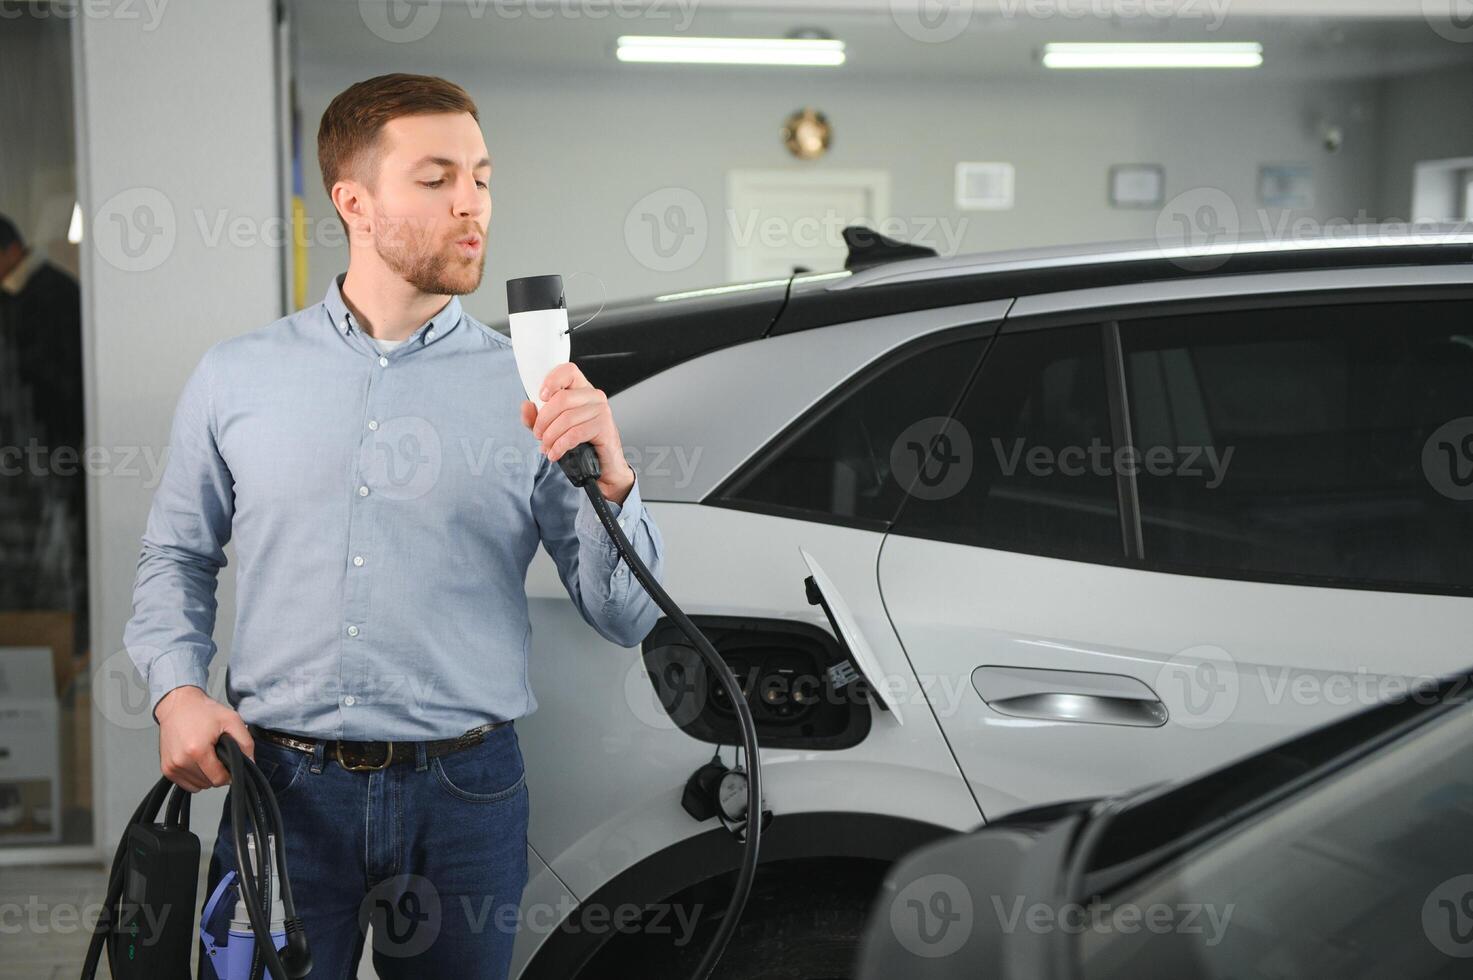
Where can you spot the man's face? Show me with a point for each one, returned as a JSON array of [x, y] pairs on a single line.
[[432, 201]]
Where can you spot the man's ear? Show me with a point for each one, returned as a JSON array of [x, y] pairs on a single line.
[[354, 207]]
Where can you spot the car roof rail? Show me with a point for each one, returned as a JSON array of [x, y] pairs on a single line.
[[868, 247]]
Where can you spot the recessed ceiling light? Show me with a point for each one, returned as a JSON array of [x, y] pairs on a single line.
[[1216, 54], [817, 52]]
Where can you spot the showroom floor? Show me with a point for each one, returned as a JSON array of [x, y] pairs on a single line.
[[43, 913]]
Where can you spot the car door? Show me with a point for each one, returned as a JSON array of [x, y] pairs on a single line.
[[1180, 532]]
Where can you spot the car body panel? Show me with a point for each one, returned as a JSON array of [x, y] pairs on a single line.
[[606, 765], [1286, 658], [546, 901]]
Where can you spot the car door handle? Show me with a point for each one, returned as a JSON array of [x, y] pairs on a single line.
[[1080, 697]]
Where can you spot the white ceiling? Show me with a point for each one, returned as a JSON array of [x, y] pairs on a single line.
[[982, 39]]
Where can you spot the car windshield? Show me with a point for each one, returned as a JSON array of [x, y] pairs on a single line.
[[1369, 875]]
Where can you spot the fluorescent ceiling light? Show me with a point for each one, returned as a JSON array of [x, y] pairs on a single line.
[[821, 52], [1218, 54]]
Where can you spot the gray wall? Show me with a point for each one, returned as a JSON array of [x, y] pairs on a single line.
[[1427, 117], [179, 122], [573, 153]]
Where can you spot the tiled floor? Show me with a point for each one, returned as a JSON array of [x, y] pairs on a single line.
[[45, 916]]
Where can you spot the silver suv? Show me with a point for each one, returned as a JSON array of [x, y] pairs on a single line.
[[984, 533]]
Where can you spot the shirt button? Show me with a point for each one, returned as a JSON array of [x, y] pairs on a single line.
[[357, 559], [383, 362], [349, 700], [352, 631], [430, 334], [373, 423], [362, 491]]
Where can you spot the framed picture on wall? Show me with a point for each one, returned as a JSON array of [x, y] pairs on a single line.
[[1286, 185], [1137, 185]]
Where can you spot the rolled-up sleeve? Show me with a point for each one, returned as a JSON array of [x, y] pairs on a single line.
[[170, 634], [599, 583]]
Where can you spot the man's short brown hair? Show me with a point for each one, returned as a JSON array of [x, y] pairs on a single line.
[[347, 139]]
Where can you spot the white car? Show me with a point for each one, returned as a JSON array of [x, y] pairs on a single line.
[[986, 533]]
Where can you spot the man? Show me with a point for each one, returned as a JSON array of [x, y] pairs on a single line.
[[357, 451], [43, 319], [41, 374]]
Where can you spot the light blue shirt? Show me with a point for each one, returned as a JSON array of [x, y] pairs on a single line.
[[384, 508]]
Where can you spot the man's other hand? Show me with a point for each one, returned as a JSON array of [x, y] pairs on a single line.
[[190, 722]]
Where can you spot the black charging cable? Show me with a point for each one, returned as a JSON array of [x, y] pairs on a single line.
[[252, 806], [581, 466]]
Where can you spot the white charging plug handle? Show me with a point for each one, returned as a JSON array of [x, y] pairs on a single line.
[[540, 341]]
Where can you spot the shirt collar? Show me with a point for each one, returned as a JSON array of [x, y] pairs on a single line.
[[430, 331], [15, 280]]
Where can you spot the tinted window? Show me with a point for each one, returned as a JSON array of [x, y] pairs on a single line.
[[1361, 878], [1333, 442], [843, 464], [1031, 454]]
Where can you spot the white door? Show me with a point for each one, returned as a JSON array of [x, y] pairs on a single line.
[[781, 220], [1290, 548]]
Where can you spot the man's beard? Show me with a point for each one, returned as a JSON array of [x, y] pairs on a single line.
[[440, 272]]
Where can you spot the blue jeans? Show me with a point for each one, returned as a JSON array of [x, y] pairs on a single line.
[[432, 852]]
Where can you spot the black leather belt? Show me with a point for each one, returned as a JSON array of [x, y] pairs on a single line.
[[373, 756]]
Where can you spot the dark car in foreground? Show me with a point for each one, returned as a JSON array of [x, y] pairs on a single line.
[[1346, 853]]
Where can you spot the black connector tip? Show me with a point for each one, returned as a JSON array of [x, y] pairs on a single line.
[[295, 956], [580, 464]]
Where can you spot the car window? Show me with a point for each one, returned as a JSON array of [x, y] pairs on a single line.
[[1364, 876], [1037, 474], [849, 460], [1331, 442]]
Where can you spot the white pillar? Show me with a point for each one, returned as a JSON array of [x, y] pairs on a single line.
[[180, 182]]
